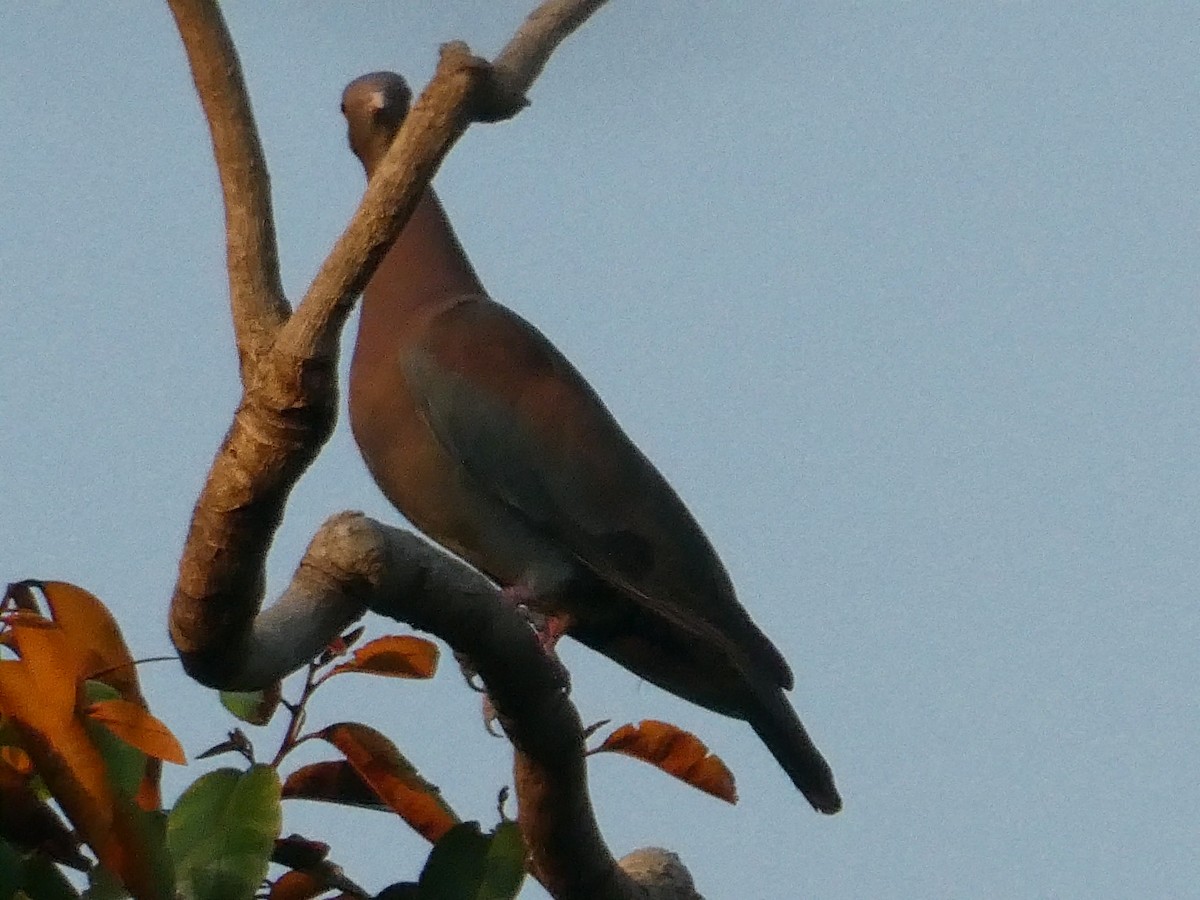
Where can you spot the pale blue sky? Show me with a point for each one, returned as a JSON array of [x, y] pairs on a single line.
[[901, 297]]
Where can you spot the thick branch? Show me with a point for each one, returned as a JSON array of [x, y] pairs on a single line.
[[355, 563], [255, 291]]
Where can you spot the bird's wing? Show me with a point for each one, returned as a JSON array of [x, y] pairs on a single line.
[[529, 431]]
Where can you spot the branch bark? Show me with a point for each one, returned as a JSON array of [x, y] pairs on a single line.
[[524, 57], [255, 290], [288, 410]]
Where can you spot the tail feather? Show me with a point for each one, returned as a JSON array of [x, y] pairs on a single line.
[[777, 724]]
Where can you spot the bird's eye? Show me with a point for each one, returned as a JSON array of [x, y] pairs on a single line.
[[343, 109]]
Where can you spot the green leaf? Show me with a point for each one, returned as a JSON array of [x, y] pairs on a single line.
[[254, 707], [103, 886], [505, 865], [401, 890], [468, 865], [43, 880], [455, 866], [221, 833], [126, 764], [10, 869]]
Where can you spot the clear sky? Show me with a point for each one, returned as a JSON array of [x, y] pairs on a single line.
[[902, 298]]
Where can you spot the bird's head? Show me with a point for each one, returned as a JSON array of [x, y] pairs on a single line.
[[374, 106]]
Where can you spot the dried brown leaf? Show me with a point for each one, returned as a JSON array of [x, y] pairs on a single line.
[[396, 656], [393, 778], [676, 752]]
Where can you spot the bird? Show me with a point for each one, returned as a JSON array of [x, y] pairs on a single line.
[[482, 434]]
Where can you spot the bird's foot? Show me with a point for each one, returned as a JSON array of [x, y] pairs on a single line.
[[474, 682], [549, 628], [553, 628], [518, 595]]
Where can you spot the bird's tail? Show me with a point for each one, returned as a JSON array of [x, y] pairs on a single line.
[[777, 724]]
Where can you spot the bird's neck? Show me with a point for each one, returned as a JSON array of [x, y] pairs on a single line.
[[425, 266]]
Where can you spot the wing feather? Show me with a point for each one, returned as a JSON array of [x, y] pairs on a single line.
[[530, 431]]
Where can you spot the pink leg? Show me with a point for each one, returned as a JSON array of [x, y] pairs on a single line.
[[549, 628], [552, 629]]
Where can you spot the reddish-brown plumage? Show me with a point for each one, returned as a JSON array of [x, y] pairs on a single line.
[[479, 431]]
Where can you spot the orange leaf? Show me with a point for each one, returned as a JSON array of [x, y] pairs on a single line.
[[49, 671], [17, 759], [89, 625], [101, 652], [393, 778], [676, 752], [136, 727], [149, 797], [38, 695], [295, 885], [397, 656], [332, 782]]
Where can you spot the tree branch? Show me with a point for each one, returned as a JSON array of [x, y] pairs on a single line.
[[355, 563], [255, 291], [524, 57]]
